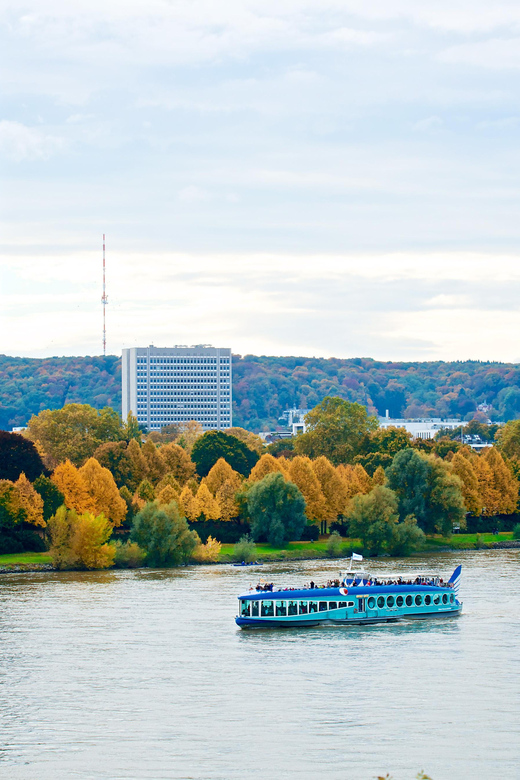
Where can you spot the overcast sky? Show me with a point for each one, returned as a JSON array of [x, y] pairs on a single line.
[[310, 177]]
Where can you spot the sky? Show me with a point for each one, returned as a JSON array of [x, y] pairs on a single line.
[[285, 177]]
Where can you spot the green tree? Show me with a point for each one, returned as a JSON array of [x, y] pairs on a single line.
[[276, 509], [427, 488], [408, 537], [52, 497], [74, 431], [164, 534], [373, 518], [214, 445], [19, 455], [508, 440], [337, 429]]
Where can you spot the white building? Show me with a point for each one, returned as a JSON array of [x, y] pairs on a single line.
[[295, 420], [425, 428], [164, 386]]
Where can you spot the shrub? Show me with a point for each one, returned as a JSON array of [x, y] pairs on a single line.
[[164, 534], [80, 541], [207, 553], [334, 545], [516, 531], [408, 537], [244, 550], [128, 555]]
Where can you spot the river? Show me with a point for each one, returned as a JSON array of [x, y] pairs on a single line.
[[143, 674]]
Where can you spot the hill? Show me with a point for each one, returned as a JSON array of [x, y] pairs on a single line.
[[264, 386]]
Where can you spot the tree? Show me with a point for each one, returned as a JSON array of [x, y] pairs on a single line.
[[31, 501], [464, 470], [156, 468], [379, 477], [80, 541], [164, 534], [131, 429], [220, 473], [303, 476], [216, 444], [166, 495], [103, 492], [145, 491], [69, 481], [251, 440], [408, 537], [332, 487], [373, 518], [337, 429], [208, 507], [139, 466], [508, 440], [178, 462], [74, 432], [427, 488], [17, 455], [276, 509], [226, 500], [114, 456], [52, 497], [188, 504], [499, 489], [267, 465], [189, 432], [207, 553]]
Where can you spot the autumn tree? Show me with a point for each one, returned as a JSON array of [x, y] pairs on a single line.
[[145, 491], [498, 487], [251, 440], [267, 465], [220, 473], [208, 506], [139, 466], [80, 541], [31, 501], [115, 457], [178, 462], [276, 509], [52, 497], [188, 504], [463, 469], [156, 467], [226, 500], [166, 495], [303, 476], [189, 432], [337, 429], [74, 432], [69, 481], [164, 534], [19, 455], [332, 487], [103, 492]]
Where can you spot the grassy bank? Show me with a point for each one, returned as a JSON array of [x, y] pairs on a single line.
[[19, 559]]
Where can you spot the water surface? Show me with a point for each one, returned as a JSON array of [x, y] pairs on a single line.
[[143, 674]]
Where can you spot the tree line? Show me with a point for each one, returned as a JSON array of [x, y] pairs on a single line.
[[100, 493]]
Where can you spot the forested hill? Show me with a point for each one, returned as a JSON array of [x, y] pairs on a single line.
[[264, 386]]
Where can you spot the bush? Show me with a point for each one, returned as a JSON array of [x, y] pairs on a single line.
[[80, 541], [516, 531], [128, 555], [311, 533], [207, 553], [334, 545], [225, 531], [244, 550], [164, 534], [408, 537]]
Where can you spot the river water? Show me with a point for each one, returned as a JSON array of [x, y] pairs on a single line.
[[143, 674]]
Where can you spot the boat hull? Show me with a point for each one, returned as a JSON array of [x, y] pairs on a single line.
[[354, 621]]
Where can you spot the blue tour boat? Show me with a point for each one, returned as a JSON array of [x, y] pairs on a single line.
[[356, 599]]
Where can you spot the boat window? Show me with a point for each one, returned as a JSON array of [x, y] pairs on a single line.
[[245, 609], [399, 601], [292, 608], [350, 604], [333, 605], [390, 601], [381, 602], [436, 599], [254, 608], [452, 598], [267, 609], [313, 606], [281, 609], [303, 608], [444, 598], [418, 600], [322, 606], [371, 602], [428, 600], [342, 604], [409, 601]]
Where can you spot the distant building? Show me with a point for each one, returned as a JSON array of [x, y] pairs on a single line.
[[164, 386], [294, 419], [423, 428]]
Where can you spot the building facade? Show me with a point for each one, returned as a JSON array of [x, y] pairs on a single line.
[[165, 386], [425, 428]]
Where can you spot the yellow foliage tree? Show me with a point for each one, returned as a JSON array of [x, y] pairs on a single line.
[[363, 479], [156, 467], [267, 464], [226, 499], [379, 477], [220, 473], [103, 492], [188, 504], [464, 470], [67, 478], [331, 485], [499, 489], [303, 476], [166, 495], [80, 541], [207, 504], [207, 553], [139, 467], [178, 462], [251, 440], [31, 501]]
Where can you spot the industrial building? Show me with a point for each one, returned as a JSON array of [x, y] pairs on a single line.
[[165, 386]]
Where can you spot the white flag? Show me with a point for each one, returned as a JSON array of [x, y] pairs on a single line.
[[356, 557]]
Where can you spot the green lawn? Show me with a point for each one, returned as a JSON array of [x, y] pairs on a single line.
[[20, 558]]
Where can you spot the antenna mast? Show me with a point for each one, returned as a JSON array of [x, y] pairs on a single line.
[[104, 301]]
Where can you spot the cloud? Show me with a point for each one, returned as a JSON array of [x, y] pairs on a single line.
[[494, 54], [429, 124], [19, 142]]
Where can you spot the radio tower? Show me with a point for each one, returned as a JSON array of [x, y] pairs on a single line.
[[104, 301]]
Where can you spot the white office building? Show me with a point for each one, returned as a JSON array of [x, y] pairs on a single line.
[[425, 428], [164, 386]]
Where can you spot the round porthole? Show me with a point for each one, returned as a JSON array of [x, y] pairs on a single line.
[[444, 598], [428, 600], [452, 598], [418, 600], [371, 602], [390, 601], [381, 602], [399, 601], [409, 601], [436, 599]]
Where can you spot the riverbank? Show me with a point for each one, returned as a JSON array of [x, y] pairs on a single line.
[[294, 551]]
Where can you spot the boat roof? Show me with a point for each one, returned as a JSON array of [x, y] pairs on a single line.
[[321, 593]]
